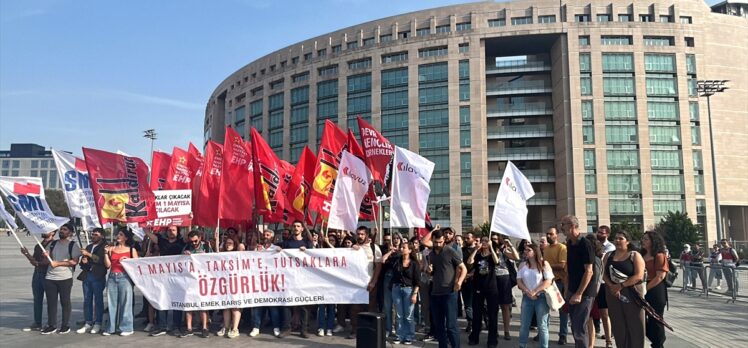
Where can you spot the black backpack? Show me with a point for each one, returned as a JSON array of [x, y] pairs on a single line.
[[672, 273], [70, 250]]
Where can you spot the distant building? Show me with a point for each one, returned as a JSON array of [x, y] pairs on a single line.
[[30, 160], [732, 7]]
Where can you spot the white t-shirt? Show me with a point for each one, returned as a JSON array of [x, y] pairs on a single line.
[[531, 277], [373, 257], [608, 247]]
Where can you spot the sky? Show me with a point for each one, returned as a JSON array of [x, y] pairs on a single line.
[[91, 73]]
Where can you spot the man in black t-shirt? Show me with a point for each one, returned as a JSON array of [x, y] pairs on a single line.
[[300, 239], [467, 289], [169, 245], [580, 258]]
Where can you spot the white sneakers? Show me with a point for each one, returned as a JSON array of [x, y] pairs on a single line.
[[338, 328], [96, 328], [84, 329], [233, 333], [277, 332], [329, 332], [321, 332], [255, 332], [126, 333], [221, 332]]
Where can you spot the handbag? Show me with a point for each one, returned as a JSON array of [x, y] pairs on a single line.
[[553, 296], [82, 276]]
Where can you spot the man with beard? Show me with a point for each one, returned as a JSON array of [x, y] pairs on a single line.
[[92, 263], [555, 255], [258, 313], [603, 233], [470, 243], [578, 290], [169, 245], [37, 280], [59, 279], [448, 274], [374, 257], [302, 240]]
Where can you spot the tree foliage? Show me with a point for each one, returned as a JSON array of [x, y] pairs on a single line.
[[483, 230], [678, 229], [633, 230], [56, 202]]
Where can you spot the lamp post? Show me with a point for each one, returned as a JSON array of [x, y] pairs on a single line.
[[150, 134], [707, 88]]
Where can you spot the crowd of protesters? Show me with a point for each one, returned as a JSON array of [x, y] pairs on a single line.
[[419, 284]]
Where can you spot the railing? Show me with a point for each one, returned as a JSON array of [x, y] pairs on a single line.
[[522, 109], [534, 175], [540, 198], [522, 86], [529, 153], [534, 130], [517, 66], [707, 274]]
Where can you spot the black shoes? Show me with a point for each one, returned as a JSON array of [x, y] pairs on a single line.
[[562, 341], [49, 330]]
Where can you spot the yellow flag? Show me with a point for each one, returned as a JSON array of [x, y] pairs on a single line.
[[114, 206], [323, 181]]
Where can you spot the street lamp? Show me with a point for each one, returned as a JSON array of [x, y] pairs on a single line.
[[708, 88], [150, 134]]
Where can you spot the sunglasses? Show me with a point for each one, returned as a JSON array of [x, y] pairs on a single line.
[[195, 241]]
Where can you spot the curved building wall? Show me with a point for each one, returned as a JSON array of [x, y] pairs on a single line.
[[595, 101]]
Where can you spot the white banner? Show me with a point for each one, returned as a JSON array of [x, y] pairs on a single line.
[[173, 207], [410, 189], [350, 188], [26, 196], [510, 209], [252, 278], [5, 216], [77, 188]]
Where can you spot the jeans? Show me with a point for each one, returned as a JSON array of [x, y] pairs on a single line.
[[406, 326], [93, 299], [444, 312], [259, 312], [326, 317], [715, 272], [119, 295], [53, 289], [563, 316], [467, 299], [579, 314], [387, 301], [539, 308], [176, 318], [728, 269], [37, 289]]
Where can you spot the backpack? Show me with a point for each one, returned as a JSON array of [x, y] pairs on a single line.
[[672, 273], [70, 250]]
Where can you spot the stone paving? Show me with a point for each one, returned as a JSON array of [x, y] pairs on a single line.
[[698, 322]]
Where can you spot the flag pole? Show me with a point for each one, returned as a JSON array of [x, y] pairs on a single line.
[[40, 245], [216, 234], [12, 230], [380, 234]]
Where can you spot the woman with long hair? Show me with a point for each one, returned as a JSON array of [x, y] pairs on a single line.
[[483, 261], [624, 279], [326, 312], [231, 316], [656, 264], [119, 285], [405, 287], [503, 271], [533, 277]]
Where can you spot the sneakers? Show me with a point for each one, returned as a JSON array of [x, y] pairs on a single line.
[[84, 329], [32, 327], [338, 328], [64, 330], [719, 287], [396, 341], [96, 328], [148, 328], [233, 333], [106, 333], [303, 334], [562, 341], [205, 333], [329, 333], [157, 332], [126, 333], [276, 333], [320, 332], [351, 336], [186, 333], [221, 332], [256, 332], [407, 342], [428, 338], [49, 330]]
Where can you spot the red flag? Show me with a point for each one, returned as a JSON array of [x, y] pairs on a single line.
[[368, 208], [267, 177], [286, 171], [179, 175], [353, 147], [237, 178], [160, 171], [377, 149], [421, 232], [205, 195], [26, 189], [299, 187], [196, 161], [332, 144], [120, 187]]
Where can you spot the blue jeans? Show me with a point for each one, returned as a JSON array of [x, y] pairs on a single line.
[[259, 312], [406, 327], [326, 316], [93, 299], [119, 294], [37, 289], [563, 316], [387, 308], [176, 318], [444, 313], [538, 307]]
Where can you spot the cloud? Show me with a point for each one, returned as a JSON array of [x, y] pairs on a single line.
[[149, 99]]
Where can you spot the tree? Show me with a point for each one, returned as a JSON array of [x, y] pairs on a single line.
[[632, 229], [56, 202], [678, 229], [483, 230]]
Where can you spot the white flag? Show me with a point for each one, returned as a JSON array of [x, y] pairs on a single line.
[[350, 188], [26, 196], [5, 216], [410, 189], [77, 188], [510, 209]]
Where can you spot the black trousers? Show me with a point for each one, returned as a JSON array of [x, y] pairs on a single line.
[[53, 289], [492, 311], [657, 297]]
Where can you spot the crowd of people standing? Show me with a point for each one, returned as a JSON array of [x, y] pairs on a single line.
[[419, 284]]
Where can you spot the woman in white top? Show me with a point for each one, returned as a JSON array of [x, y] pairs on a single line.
[[533, 277]]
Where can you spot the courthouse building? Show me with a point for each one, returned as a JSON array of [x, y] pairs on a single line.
[[595, 101]]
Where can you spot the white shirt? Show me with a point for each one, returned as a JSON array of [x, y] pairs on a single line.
[[531, 277], [608, 247], [373, 256]]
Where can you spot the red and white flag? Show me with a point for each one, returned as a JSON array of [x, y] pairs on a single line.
[[76, 186], [410, 189], [205, 194], [26, 196], [377, 150], [510, 208], [299, 187], [351, 186], [237, 178], [333, 142], [368, 210], [160, 170], [268, 193], [180, 174], [286, 171]]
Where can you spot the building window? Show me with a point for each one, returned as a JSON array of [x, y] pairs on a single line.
[[645, 18], [618, 85], [352, 45], [302, 77], [659, 63], [581, 18], [590, 183], [464, 26], [624, 18], [659, 41], [584, 40], [623, 159], [34, 164], [521, 20], [585, 84], [337, 49], [665, 19], [584, 62], [276, 84], [330, 70], [689, 41], [295, 60], [464, 47], [686, 20], [307, 56], [589, 159], [621, 135], [665, 159], [618, 62], [395, 57], [547, 19], [432, 52], [664, 135], [624, 183], [616, 40], [322, 52], [359, 64], [587, 110], [403, 34], [385, 38], [588, 134], [499, 22], [423, 31], [603, 18], [442, 29], [693, 111], [368, 41]]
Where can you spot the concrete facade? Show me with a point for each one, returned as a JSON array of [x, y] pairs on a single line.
[[534, 98]]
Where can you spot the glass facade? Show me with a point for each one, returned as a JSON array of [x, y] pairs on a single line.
[[433, 133]]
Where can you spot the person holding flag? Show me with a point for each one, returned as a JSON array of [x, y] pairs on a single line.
[[94, 281], [302, 241], [58, 281], [40, 264]]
